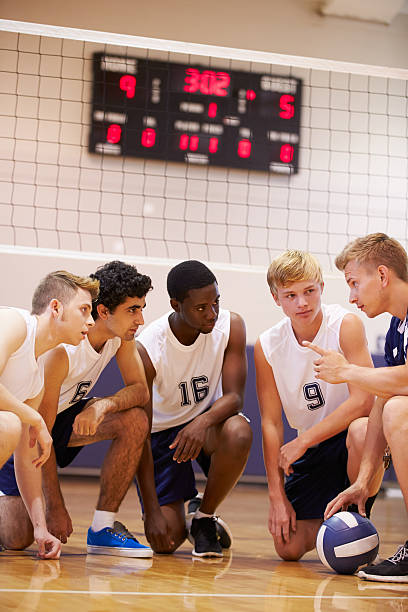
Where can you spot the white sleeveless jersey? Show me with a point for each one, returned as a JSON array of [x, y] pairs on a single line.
[[85, 367], [188, 378], [23, 375], [305, 400]]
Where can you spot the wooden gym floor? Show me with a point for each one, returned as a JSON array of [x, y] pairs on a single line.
[[250, 577]]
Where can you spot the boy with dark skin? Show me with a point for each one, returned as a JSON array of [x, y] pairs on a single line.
[[196, 381]]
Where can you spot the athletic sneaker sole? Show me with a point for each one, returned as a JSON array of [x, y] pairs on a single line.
[[141, 553], [223, 531], [376, 578], [206, 554]]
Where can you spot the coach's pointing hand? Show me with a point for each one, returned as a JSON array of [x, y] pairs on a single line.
[[330, 366]]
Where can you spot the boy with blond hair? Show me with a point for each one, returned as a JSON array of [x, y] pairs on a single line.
[[304, 474]]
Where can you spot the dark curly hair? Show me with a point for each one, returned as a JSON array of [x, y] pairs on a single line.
[[117, 282], [188, 275]]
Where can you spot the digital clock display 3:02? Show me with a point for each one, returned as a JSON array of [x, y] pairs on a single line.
[[195, 114]]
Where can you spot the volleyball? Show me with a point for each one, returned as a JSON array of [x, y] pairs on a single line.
[[346, 542]]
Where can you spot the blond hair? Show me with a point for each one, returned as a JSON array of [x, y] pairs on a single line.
[[375, 250], [62, 286], [292, 266]]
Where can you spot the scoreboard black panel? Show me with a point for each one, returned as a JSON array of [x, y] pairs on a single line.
[[194, 114]]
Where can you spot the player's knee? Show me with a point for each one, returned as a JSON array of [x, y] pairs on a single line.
[[10, 429], [356, 433], [18, 540], [169, 550], [177, 540], [395, 414], [133, 424], [289, 552], [237, 436], [17, 536]]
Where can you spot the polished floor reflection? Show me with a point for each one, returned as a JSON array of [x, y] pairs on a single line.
[[249, 577]]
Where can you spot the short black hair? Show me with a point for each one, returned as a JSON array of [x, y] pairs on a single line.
[[117, 282], [188, 275]]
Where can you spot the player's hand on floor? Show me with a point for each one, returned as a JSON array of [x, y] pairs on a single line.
[[189, 441], [289, 453], [157, 532], [59, 522], [329, 366], [281, 520], [355, 494], [49, 547], [39, 434]]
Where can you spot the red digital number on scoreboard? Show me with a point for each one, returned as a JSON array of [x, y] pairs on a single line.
[[207, 82]]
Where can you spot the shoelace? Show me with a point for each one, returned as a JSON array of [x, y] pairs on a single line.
[[400, 555], [120, 530]]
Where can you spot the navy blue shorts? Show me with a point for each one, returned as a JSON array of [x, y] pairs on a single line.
[[61, 433], [319, 475], [173, 481]]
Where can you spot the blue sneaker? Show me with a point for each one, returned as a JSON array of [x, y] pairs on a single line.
[[116, 541]]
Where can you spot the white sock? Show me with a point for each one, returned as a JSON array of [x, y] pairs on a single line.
[[199, 515], [102, 519]]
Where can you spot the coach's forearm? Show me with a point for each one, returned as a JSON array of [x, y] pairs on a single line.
[[383, 382]]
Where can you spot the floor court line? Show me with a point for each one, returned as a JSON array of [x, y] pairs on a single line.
[[187, 594]]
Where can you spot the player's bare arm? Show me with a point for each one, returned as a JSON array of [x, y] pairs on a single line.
[[190, 440], [13, 331], [358, 404], [55, 371], [29, 483], [374, 447], [134, 393], [282, 517], [384, 382], [156, 527]]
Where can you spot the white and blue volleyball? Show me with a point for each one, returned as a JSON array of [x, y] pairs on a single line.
[[346, 542]]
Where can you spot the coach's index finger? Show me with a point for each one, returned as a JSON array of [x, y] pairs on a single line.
[[314, 347]]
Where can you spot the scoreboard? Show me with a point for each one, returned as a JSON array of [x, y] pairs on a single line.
[[195, 114]]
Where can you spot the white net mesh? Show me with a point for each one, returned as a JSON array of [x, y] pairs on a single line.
[[54, 194]]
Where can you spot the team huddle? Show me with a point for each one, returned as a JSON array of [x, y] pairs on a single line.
[[182, 400]]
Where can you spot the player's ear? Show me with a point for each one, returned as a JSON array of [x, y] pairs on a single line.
[[275, 297], [56, 308], [321, 287], [175, 305], [103, 311], [384, 274]]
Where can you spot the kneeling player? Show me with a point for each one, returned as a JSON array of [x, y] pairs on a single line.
[[331, 420]]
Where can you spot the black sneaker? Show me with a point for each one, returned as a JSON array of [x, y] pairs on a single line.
[[194, 503], [223, 531], [393, 569], [206, 542]]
